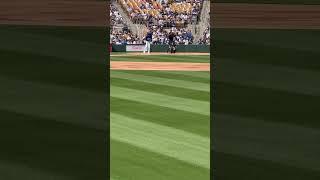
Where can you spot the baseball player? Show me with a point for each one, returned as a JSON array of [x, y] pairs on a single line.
[[172, 43], [148, 40]]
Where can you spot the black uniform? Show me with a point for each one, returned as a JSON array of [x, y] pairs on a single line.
[[172, 44]]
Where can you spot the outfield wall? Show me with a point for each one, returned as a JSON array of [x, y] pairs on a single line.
[[163, 48]]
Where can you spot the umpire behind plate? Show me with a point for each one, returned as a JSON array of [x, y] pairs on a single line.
[[172, 42]]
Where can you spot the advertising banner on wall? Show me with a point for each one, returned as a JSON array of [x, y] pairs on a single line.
[[135, 47]]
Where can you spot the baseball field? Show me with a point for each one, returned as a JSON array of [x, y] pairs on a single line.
[[160, 124], [266, 85], [266, 107], [267, 95], [53, 102]]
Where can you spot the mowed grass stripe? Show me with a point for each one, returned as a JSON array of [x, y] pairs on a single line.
[[272, 77], [187, 121], [82, 34], [129, 162], [72, 50], [161, 89], [48, 69], [195, 106], [267, 104], [164, 140], [161, 81], [190, 76], [48, 140], [198, 74], [256, 50], [263, 169], [8, 170], [71, 105], [306, 39], [162, 58], [251, 136]]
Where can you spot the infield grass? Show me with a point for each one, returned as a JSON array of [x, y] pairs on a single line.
[[163, 58]]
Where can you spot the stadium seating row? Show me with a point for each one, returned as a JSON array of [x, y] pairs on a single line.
[[177, 10]]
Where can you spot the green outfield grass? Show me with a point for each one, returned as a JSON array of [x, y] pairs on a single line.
[[266, 110], [160, 123], [163, 58], [52, 103]]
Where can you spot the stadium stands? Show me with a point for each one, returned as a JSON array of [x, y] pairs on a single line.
[[167, 13], [161, 16], [120, 33], [205, 39]]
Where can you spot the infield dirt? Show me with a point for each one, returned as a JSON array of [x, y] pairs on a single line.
[[164, 66]]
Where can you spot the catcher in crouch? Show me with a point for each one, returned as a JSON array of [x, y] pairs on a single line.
[[172, 43]]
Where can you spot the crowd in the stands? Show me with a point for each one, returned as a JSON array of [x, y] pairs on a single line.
[[121, 34], [124, 36], [115, 16], [161, 16], [205, 38], [160, 35], [167, 13]]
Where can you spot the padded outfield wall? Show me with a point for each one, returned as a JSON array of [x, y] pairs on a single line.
[[164, 48]]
